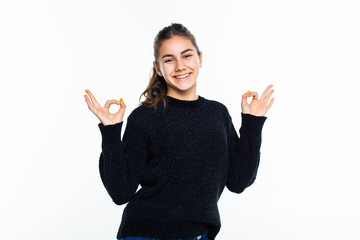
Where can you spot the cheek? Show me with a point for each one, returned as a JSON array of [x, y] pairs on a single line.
[[163, 69], [196, 65]]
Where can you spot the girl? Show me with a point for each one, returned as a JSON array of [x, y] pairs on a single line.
[[180, 147]]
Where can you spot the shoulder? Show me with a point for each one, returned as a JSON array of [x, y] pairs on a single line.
[[219, 111], [218, 106], [139, 119], [141, 113]]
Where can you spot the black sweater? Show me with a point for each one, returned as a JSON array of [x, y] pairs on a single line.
[[182, 158]]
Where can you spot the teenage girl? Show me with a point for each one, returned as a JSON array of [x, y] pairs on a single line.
[[180, 147]]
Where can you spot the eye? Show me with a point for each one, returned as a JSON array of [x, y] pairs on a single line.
[[188, 55], [167, 60]]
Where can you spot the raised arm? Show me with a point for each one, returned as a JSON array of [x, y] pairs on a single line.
[[244, 152], [122, 163]]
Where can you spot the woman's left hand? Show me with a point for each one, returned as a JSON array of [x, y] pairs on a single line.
[[257, 107]]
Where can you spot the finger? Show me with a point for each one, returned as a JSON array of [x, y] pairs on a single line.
[[271, 103], [266, 91], [267, 98], [91, 107], [255, 95], [93, 100], [109, 102]]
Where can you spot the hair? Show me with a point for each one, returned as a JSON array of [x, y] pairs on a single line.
[[157, 88]]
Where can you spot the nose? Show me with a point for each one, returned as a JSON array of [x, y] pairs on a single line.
[[179, 66]]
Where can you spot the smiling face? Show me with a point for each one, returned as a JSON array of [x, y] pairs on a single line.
[[179, 64]]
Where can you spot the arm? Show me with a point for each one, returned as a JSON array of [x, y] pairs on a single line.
[[122, 162], [244, 152]]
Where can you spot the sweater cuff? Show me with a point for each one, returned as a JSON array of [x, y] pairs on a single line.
[[252, 123], [111, 133]]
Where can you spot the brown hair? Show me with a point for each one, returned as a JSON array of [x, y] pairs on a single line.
[[157, 88]]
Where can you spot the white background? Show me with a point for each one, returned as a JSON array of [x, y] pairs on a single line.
[[51, 51]]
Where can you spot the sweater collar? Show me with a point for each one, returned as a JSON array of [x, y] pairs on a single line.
[[185, 103]]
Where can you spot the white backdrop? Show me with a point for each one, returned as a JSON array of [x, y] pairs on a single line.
[[51, 51]]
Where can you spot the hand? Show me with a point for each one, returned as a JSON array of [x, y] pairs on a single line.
[[102, 113], [257, 107]]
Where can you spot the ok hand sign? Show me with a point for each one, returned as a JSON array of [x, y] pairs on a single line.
[[103, 113], [257, 107]]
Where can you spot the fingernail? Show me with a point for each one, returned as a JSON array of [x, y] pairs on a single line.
[[122, 100], [247, 92]]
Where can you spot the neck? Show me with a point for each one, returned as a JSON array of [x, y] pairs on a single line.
[[184, 97], [177, 102], [187, 96]]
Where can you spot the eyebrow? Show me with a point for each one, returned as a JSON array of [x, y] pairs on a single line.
[[170, 55]]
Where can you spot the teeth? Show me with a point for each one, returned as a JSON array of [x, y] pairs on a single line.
[[183, 76]]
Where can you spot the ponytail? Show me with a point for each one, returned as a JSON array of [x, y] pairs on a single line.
[[155, 91]]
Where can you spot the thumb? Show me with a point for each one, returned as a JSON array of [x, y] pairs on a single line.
[[245, 106], [122, 106], [245, 96]]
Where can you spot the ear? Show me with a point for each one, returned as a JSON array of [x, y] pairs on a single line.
[[157, 70], [200, 59]]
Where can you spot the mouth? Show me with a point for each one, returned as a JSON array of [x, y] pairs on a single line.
[[182, 77]]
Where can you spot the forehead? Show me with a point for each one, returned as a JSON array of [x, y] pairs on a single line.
[[175, 45]]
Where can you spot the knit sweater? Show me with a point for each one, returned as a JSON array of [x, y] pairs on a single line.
[[182, 156]]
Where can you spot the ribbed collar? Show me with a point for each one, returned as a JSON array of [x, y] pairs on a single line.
[[185, 103]]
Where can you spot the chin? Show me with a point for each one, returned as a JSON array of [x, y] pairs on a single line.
[[184, 86]]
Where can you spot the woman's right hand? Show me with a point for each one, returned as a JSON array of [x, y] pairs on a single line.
[[103, 113]]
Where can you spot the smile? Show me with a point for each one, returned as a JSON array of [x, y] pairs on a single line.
[[183, 76]]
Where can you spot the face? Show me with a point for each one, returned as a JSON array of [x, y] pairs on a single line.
[[179, 64]]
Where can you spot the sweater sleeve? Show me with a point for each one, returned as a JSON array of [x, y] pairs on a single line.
[[122, 162], [244, 152]]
